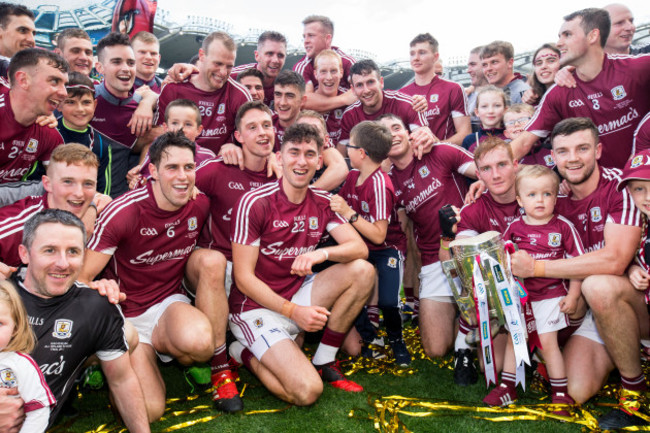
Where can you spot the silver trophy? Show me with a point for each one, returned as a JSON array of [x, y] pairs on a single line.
[[459, 272]]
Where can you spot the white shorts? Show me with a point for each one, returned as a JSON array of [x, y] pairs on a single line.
[[228, 282], [261, 328], [588, 329], [434, 285], [548, 316], [146, 322]]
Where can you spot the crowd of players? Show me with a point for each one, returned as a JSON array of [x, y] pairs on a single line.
[[112, 192]]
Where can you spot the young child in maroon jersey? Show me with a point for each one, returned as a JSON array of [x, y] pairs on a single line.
[[491, 103], [543, 235], [367, 200]]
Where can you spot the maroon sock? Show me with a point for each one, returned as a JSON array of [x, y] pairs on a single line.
[[559, 385], [564, 334], [246, 357], [408, 294], [416, 306], [373, 315], [634, 383], [508, 379], [219, 362]]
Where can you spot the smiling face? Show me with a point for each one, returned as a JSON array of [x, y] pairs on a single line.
[[17, 35], [184, 118], [270, 58], [497, 70], [497, 170], [546, 65], [475, 69], [78, 53], [576, 156], [622, 30], [316, 39], [256, 134], [288, 100], [117, 63], [328, 72], [400, 146], [174, 178], [490, 108], [147, 58], [572, 42], [254, 86], [70, 187], [53, 260], [299, 163], [78, 111], [369, 89], [215, 65]]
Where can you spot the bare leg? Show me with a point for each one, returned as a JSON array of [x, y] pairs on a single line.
[[437, 326]]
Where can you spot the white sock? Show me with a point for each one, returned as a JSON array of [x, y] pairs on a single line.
[[235, 350], [460, 342], [324, 354]]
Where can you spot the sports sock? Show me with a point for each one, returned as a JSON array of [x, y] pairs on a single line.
[[463, 330], [328, 347], [634, 383], [559, 385], [508, 379], [564, 334], [219, 362], [416, 306], [408, 294], [373, 315]]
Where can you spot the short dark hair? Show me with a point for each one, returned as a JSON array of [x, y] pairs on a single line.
[[573, 125], [270, 35], [327, 23], [593, 18], [364, 67], [290, 78], [302, 132], [50, 216], [70, 33], [426, 38], [224, 37], [374, 138], [30, 57], [166, 140], [251, 105], [79, 85], [111, 40], [250, 72], [498, 47], [12, 9], [184, 103]]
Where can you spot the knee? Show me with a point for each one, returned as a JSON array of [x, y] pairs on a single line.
[[435, 350], [364, 275], [131, 336], [578, 392], [309, 393], [210, 263], [200, 345], [599, 295]]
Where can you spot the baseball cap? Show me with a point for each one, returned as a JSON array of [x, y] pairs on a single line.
[[637, 168]]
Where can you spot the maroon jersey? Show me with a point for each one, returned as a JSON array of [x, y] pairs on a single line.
[[224, 185], [540, 155], [282, 230], [333, 120], [557, 239], [424, 186], [445, 100], [374, 200], [268, 90], [486, 214], [642, 136], [394, 102], [12, 221], [155, 84], [279, 133], [305, 67], [202, 154], [218, 109], [604, 205], [113, 114], [615, 100], [20, 146], [149, 246]]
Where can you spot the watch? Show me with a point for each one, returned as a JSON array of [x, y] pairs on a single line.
[[354, 218]]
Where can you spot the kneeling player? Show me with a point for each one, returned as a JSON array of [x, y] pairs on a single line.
[[275, 232]]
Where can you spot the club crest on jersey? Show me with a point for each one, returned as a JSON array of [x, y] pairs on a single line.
[[636, 161], [32, 146], [62, 329], [221, 109], [554, 239], [433, 98], [392, 262], [258, 322], [595, 214], [365, 207], [618, 93], [8, 378], [548, 160], [313, 223], [338, 113], [191, 224], [424, 172]]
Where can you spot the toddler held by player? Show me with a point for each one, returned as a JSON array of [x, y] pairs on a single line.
[[17, 368], [547, 236]]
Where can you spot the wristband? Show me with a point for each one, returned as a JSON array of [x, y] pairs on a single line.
[[540, 268], [327, 254], [444, 247], [287, 309]]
